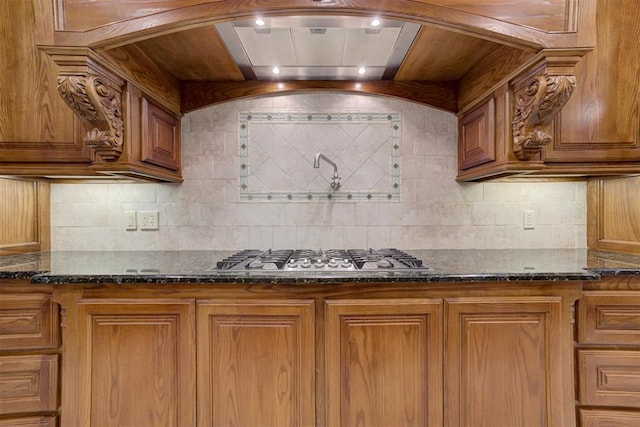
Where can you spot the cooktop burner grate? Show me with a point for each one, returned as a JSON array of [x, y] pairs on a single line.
[[327, 260]]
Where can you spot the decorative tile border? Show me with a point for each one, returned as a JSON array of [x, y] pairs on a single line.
[[318, 117]]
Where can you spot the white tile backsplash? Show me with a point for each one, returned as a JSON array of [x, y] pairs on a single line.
[[434, 211]]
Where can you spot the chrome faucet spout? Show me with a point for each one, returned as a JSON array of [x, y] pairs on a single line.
[[335, 179]]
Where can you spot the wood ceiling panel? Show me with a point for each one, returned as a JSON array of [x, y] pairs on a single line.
[[441, 55], [195, 54]]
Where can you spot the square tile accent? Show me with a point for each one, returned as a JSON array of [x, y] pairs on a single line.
[[277, 148]]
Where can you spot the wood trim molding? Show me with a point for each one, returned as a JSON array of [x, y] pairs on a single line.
[[196, 94]]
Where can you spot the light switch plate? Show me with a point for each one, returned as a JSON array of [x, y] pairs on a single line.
[[130, 220], [148, 220], [529, 220]]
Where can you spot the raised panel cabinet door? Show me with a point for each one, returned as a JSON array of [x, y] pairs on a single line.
[[28, 383], [608, 418], [508, 363], [160, 137], [609, 317], [609, 378], [383, 362], [136, 363], [256, 363], [477, 144], [28, 321]]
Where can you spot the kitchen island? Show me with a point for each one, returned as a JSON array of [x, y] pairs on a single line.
[[477, 338]]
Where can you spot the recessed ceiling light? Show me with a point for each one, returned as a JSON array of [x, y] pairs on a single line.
[[259, 22], [375, 22], [362, 70], [275, 70]]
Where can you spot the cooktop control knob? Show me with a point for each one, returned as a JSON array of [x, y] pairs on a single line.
[[306, 263], [332, 263]]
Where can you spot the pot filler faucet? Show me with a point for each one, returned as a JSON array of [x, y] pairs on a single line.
[[335, 179]]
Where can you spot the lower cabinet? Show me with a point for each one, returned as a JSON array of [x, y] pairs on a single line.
[[256, 363], [608, 353], [384, 362], [322, 356], [134, 364], [29, 340], [508, 362]]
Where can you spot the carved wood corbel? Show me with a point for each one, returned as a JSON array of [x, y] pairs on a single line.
[[535, 106], [100, 108]]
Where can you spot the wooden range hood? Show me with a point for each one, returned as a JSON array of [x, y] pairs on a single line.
[[174, 53]]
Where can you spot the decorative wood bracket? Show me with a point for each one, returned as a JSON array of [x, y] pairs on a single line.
[[539, 94], [535, 107], [100, 108]]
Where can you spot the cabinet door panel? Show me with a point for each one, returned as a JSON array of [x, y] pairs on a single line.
[[138, 363], [256, 363], [28, 322], [505, 363], [609, 318], [607, 418], [384, 362], [609, 377], [28, 383]]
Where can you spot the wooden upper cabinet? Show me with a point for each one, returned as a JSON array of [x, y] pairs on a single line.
[[601, 121], [577, 117], [613, 214]]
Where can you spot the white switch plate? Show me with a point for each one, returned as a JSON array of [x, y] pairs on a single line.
[[529, 220], [130, 220], [148, 220]]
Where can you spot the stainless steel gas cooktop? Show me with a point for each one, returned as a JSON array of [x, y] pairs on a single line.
[[324, 260]]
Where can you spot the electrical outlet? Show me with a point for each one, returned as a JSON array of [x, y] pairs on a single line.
[[130, 220], [148, 220], [529, 220]]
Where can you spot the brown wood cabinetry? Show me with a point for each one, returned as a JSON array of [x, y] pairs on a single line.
[[41, 136], [608, 353], [318, 355], [24, 216], [384, 362], [597, 131], [256, 363], [135, 363], [496, 346], [613, 214], [29, 340]]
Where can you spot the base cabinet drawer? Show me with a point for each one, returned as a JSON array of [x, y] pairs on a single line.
[[609, 377], [29, 422], [609, 318], [28, 384], [28, 321], [605, 418]]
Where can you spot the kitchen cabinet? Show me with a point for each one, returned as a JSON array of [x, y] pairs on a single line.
[[29, 340], [318, 354], [504, 362], [113, 128], [608, 352], [595, 131], [129, 362], [384, 362], [256, 362], [151, 59], [613, 214], [24, 216]]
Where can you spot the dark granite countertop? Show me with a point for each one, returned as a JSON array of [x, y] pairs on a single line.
[[198, 267]]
